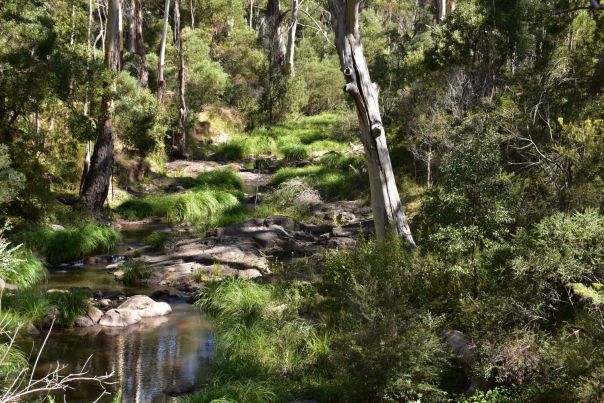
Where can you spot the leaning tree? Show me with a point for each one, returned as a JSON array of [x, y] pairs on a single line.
[[385, 200]]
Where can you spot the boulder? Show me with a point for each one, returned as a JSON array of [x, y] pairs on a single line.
[[266, 239], [119, 318], [105, 303], [95, 314], [83, 321], [145, 307]]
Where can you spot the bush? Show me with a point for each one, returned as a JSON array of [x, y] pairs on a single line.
[[388, 346]]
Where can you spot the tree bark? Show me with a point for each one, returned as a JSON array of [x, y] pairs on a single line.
[[143, 73], [182, 109], [275, 20], [161, 82], [291, 39], [131, 38], [96, 184], [385, 201]]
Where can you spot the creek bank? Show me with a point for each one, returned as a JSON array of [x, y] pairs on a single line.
[[247, 249]]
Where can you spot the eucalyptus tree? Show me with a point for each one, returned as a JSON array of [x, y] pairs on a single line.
[[96, 184], [385, 200], [182, 107]]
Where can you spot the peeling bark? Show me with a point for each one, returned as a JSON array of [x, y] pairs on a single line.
[[385, 201]]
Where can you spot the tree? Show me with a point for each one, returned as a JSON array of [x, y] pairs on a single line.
[[385, 200], [291, 39], [96, 184], [182, 108], [139, 44], [161, 81]]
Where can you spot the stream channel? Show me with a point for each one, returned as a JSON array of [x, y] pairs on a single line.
[[151, 360]]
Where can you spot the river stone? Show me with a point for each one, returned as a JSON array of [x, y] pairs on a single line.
[[95, 314], [105, 303], [119, 318], [145, 306], [83, 321], [249, 273]]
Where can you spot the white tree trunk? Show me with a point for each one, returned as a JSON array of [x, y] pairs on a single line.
[[385, 201], [182, 108], [161, 82], [291, 39]]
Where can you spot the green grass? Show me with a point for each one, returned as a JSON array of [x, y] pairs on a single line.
[[294, 140], [157, 241], [71, 244], [266, 350], [134, 271], [194, 207], [332, 183], [33, 305], [225, 179]]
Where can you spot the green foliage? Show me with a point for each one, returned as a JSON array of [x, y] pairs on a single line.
[[135, 270], [71, 244], [194, 207], [388, 343], [226, 179], [69, 304], [19, 266], [262, 342], [157, 240], [11, 181]]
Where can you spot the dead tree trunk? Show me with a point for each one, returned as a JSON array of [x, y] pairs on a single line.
[[143, 73], [291, 39], [182, 109], [385, 201], [161, 82], [96, 184]]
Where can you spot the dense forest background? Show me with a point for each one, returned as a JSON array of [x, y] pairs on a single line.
[[493, 112]]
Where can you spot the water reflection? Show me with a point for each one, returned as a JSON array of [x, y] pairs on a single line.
[[151, 359]]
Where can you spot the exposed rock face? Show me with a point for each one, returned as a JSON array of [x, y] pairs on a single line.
[[145, 307], [119, 318], [83, 321], [95, 314]]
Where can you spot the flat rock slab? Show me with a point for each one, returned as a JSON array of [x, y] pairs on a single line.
[[145, 307]]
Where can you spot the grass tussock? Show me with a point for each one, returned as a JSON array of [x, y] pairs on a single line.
[[71, 244], [332, 183], [197, 207], [134, 271], [223, 179], [263, 343]]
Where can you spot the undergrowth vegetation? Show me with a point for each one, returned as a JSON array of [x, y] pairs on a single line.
[[135, 270], [72, 243]]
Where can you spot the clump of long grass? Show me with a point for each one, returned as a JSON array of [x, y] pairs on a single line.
[[262, 342], [69, 305], [294, 198], [194, 207], [135, 270], [71, 244], [332, 183], [224, 179], [18, 265]]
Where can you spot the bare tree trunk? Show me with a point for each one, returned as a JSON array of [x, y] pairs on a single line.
[[86, 167], [182, 110], [291, 39], [275, 20], [442, 10], [192, 10], [143, 73], [385, 201], [96, 184], [251, 16], [131, 38], [161, 82]]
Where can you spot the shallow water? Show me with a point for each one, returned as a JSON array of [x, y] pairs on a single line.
[[150, 360]]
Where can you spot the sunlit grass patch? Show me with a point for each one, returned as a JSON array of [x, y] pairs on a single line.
[[71, 244], [226, 179]]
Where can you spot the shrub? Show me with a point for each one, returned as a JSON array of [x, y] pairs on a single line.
[[388, 345], [134, 271]]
